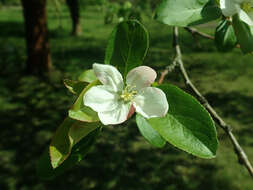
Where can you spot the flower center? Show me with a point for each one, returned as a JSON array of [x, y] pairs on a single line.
[[246, 6], [128, 93]]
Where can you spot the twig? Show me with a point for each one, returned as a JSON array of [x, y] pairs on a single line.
[[242, 157], [195, 32], [167, 70]]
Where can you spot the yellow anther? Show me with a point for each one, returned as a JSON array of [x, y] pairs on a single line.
[[128, 93]]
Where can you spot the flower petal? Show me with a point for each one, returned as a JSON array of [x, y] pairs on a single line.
[[141, 77], [109, 75], [116, 116], [229, 7], [100, 99], [152, 102], [247, 18]]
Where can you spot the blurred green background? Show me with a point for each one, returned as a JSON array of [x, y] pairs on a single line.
[[32, 107]]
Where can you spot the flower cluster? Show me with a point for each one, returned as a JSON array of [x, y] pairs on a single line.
[[116, 101]]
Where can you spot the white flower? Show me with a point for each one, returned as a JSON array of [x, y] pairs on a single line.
[[241, 7], [115, 102]]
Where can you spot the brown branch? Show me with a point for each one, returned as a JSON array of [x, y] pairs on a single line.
[[242, 157], [167, 70], [195, 32]]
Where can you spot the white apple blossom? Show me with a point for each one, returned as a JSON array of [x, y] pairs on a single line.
[[241, 7], [115, 101]]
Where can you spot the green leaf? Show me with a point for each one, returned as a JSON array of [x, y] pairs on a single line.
[[74, 87], [127, 46], [67, 135], [225, 39], [81, 112], [88, 76], [44, 168], [187, 126], [244, 34], [149, 133], [187, 12]]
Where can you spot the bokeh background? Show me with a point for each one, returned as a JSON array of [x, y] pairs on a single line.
[[32, 105]]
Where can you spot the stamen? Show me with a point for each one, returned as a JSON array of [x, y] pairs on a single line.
[[128, 93]]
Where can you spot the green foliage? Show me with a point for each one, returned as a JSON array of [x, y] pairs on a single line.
[[111, 10], [125, 10], [47, 172], [81, 112], [225, 39], [65, 138], [9, 2], [74, 87], [244, 34], [188, 126], [127, 46], [87, 76], [61, 144], [190, 129], [149, 133], [187, 12], [72, 131], [67, 135]]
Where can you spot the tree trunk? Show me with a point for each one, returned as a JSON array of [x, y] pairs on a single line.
[[37, 42], [74, 9]]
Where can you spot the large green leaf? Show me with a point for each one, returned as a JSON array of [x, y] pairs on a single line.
[[151, 135], [81, 112], [47, 172], [127, 46], [244, 34], [225, 39], [188, 126], [187, 12], [67, 135]]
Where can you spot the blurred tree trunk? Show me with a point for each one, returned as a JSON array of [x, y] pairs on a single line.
[[37, 42], [74, 9]]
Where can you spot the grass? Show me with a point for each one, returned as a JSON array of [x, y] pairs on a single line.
[[31, 109]]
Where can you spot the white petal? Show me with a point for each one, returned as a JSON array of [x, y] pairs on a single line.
[[116, 116], [246, 18], [100, 99], [152, 102], [141, 77], [229, 7], [109, 75]]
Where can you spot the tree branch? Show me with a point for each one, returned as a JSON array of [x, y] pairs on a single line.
[[195, 32], [171, 67], [167, 70], [242, 157]]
